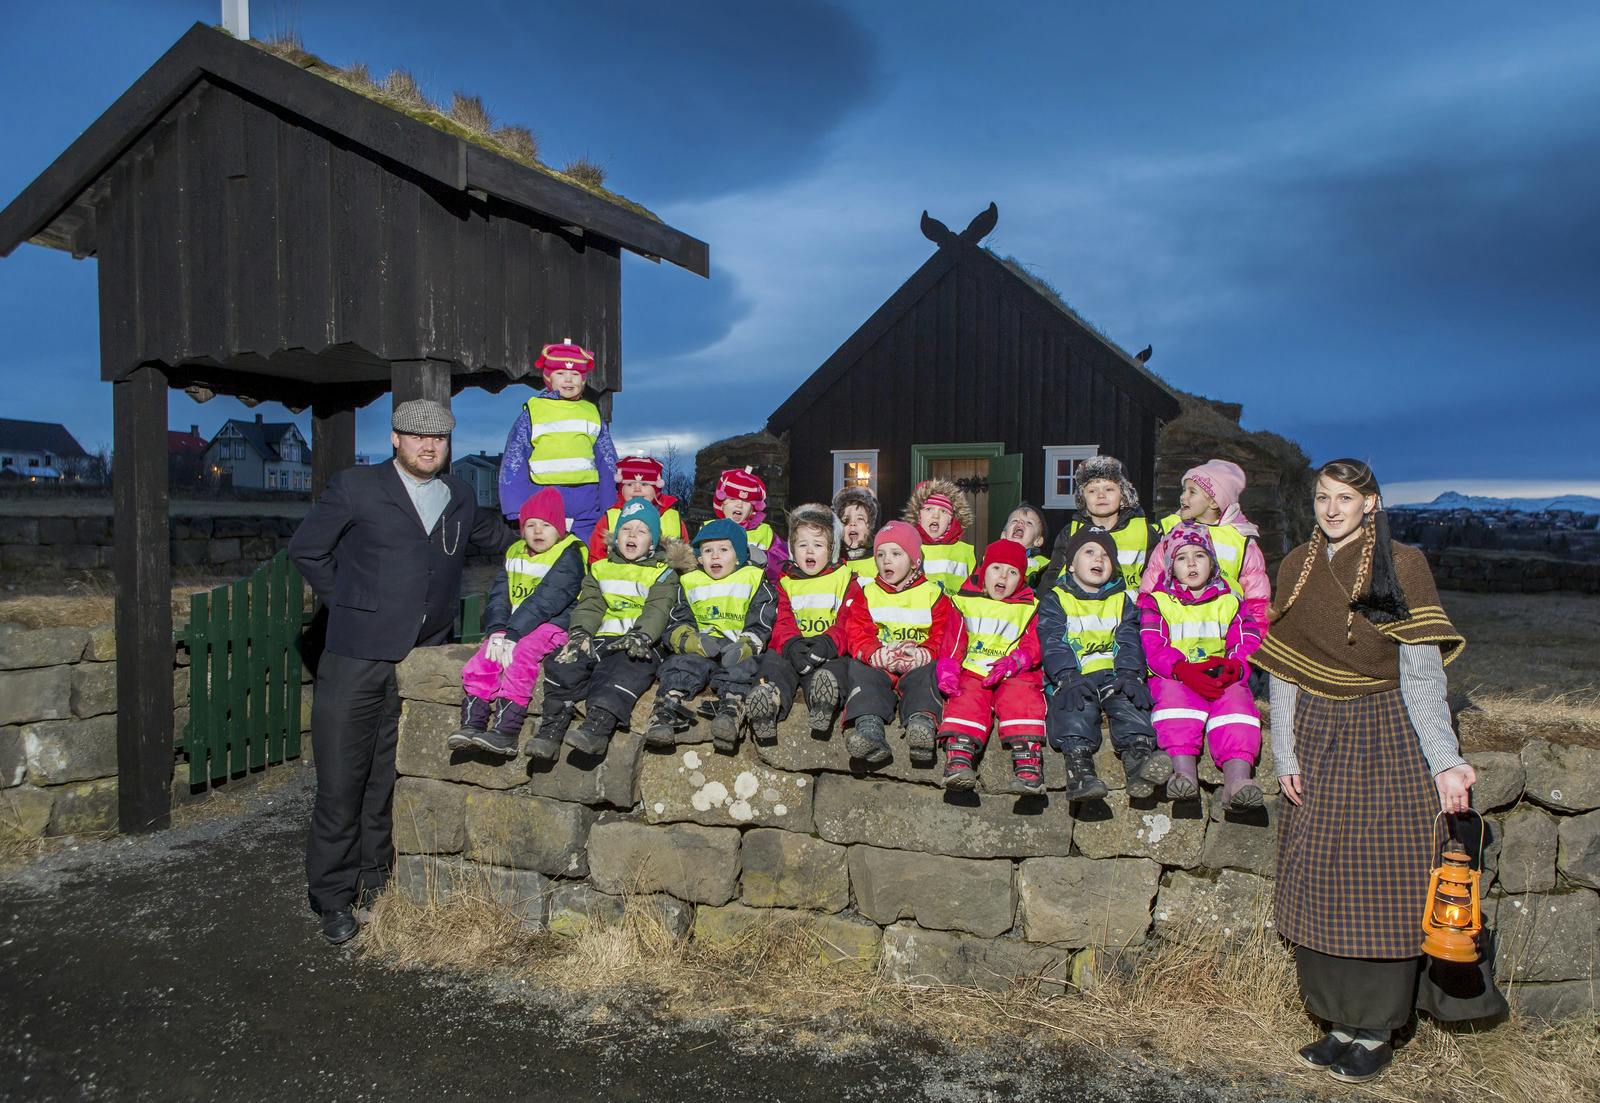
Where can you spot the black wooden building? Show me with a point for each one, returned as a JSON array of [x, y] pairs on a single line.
[[266, 232], [975, 371]]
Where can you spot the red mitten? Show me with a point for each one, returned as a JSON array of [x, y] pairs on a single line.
[[1192, 674], [1232, 671], [883, 657]]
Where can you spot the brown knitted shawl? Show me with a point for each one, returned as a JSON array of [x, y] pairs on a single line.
[[1308, 644]]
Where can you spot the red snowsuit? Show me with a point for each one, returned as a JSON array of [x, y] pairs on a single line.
[[1016, 704]]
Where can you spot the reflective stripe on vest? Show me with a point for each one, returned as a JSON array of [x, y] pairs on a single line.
[[815, 601], [1092, 627], [1133, 548], [760, 536], [671, 522], [993, 628], [624, 586], [949, 564], [1199, 631], [719, 604], [525, 569], [563, 433], [907, 615]]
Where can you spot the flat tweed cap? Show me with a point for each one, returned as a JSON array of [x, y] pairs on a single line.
[[423, 417]]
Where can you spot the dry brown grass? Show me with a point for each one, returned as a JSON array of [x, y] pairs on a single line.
[[1145, 1011], [86, 602], [585, 171], [470, 113]]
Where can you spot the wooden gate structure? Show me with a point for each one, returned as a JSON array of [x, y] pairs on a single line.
[[265, 232]]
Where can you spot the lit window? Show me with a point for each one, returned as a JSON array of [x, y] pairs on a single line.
[[856, 468], [1061, 473]]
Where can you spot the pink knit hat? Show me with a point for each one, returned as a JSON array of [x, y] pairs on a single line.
[[564, 355], [939, 501], [1223, 481], [741, 484], [898, 532], [548, 507]]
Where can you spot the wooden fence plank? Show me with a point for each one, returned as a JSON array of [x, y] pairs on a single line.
[[217, 694], [294, 627], [472, 618], [277, 672], [260, 669], [239, 679], [199, 640]]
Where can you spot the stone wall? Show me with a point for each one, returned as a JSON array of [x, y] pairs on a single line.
[[220, 545], [1509, 572], [767, 454], [975, 888]]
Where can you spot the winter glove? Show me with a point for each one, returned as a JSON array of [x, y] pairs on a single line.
[[638, 645], [806, 653], [947, 673], [911, 657], [579, 645], [1077, 693], [685, 641], [737, 651], [1232, 671], [1201, 677], [1134, 687], [1007, 666], [712, 644], [883, 657], [496, 649]]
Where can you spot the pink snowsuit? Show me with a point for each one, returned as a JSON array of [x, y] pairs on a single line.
[[482, 677], [1184, 720]]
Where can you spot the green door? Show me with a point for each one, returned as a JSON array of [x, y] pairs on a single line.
[[1005, 491]]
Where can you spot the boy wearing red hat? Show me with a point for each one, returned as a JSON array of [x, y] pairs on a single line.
[[942, 515], [908, 641], [999, 679], [741, 497], [638, 477], [524, 618], [560, 440]]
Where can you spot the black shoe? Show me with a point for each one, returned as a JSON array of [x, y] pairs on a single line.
[[725, 726], [822, 700], [1358, 1064], [921, 740], [866, 740], [545, 746], [474, 722], [1247, 798], [1182, 787], [667, 719], [761, 713], [1322, 1053], [339, 926], [593, 736], [1135, 761], [1082, 782]]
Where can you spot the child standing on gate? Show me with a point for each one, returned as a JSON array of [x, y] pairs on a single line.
[[808, 641], [1106, 499], [524, 619], [720, 623], [1025, 526], [907, 639], [1211, 498], [741, 497], [942, 516], [999, 679], [638, 477], [560, 440], [1089, 633], [857, 510], [611, 654], [1196, 640]]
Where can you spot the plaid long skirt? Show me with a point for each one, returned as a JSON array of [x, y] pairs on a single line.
[[1354, 859]]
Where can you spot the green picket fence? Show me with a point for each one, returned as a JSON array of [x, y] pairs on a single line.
[[244, 673]]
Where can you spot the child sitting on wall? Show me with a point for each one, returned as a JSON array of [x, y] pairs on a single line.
[[898, 630], [942, 516], [999, 679], [808, 641], [638, 477], [1211, 498], [720, 623], [524, 619], [1025, 526], [1196, 640], [1089, 633], [857, 510], [741, 497], [611, 655], [1106, 499], [560, 440]]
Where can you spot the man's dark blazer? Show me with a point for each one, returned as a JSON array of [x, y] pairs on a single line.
[[389, 586]]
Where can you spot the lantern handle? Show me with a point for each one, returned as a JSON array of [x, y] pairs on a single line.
[[1451, 835]]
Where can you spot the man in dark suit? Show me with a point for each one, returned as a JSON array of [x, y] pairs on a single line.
[[383, 549]]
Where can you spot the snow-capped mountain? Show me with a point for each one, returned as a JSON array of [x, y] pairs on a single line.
[[1450, 499]]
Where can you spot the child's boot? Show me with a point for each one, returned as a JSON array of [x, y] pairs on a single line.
[[668, 718], [593, 736], [502, 739], [922, 739], [474, 722], [822, 700], [867, 741], [761, 712], [725, 726], [1239, 793], [1146, 766], [554, 717], [1027, 767], [1184, 784], [1082, 781], [959, 751]]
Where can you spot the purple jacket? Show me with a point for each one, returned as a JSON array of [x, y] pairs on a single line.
[[515, 485], [1241, 640]]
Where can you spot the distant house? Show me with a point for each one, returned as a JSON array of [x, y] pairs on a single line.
[[483, 472], [186, 457], [38, 450], [260, 455]]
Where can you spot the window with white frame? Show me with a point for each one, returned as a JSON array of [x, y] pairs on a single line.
[[856, 468], [1061, 473]]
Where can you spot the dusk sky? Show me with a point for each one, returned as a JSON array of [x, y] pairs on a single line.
[[1374, 225]]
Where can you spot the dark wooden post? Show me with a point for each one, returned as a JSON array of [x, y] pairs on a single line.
[[421, 379], [333, 441], [144, 600]]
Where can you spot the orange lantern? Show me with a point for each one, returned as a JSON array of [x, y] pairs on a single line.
[[1451, 917]]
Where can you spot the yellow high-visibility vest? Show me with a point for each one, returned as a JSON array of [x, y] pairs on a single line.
[[1092, 626], [949, 564], [624, 586], [993, 628], [815, 600], [719, 604], [907, 615], [671, 522], [526, 569], [865, 568], [760, 537], [1036, 563], [1199, 631], [563, 433]]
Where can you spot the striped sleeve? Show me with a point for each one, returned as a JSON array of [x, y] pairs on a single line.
[[1281, 696], [1423, 688]]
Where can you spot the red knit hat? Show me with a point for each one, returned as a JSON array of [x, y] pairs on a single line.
[[548, 507], [565, 356], [643, 468], [898, 532], [1006, 552], [940, 501], [741, 484]]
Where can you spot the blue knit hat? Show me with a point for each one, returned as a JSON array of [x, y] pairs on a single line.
[[643, 511], [724, 529]]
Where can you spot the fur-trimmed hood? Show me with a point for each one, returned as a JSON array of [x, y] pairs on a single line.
[[820, 516], [860, 496], [950, 490], [1106, 467], [678, 554]]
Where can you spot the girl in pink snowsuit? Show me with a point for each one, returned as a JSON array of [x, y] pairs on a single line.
[[1197, 636]]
